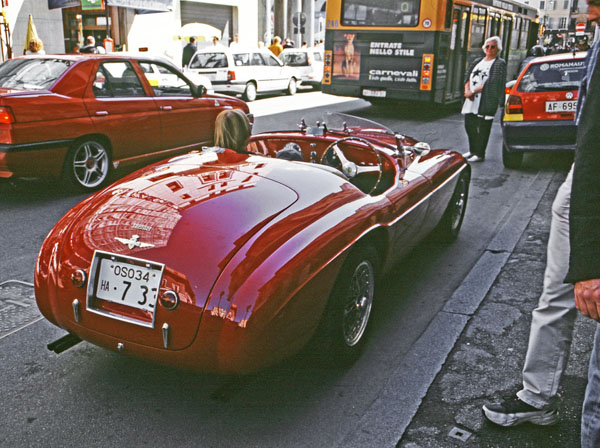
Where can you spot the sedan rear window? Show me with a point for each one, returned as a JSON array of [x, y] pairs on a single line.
[[31, 74], [552, 76], [294, 59], [209, 60]]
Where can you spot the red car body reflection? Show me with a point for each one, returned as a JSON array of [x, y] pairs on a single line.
[[77, 116], [253, 246]]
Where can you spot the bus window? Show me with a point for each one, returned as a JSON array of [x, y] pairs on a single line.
[[477, 27], [448, 21], [514, 37], [524, 34], [493, 25], [384, 13]]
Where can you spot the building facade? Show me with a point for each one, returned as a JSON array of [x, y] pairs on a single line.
[[121, 25]]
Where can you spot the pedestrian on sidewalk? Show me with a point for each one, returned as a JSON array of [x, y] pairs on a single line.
[[276, 47], [188, 52], [552, 321], [484, 92], [584, 262]]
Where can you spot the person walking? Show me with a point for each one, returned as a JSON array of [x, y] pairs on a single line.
[[584, 264], [188, 52], [534, 52], [484, 92], [276, 47], [552, 321], [235, 43], [89, 46]]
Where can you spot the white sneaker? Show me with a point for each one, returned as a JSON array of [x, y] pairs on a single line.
[[466, 155], [475, 158]]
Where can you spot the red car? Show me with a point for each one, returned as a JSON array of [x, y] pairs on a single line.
[[539, 112], [229, 262], [78, 116]]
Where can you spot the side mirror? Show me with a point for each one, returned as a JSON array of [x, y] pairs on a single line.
[[422, 148], [200, 91]]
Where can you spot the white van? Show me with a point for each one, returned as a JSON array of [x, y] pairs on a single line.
[[243, 71], [307, 62]]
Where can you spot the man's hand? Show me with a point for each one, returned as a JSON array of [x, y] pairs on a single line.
[[587, 298]]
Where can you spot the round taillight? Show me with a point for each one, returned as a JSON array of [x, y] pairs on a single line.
[[78, 278], [169, 300]]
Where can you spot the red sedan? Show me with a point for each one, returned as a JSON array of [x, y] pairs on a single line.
[[229, 262], [78, 116]]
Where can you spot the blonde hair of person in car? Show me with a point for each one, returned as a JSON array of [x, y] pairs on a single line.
[[232, 130], [35, 46]]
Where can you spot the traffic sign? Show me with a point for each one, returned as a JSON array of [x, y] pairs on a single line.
[[299, 18], [580, 29]]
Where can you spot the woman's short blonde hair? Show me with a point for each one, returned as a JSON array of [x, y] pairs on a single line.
[[35, 44], [232, 130], [493, 38]]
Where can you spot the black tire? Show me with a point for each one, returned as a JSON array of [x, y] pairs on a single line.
[[249, 92], [87, 165], [511, 159], [292, 87], [451, 222], [342, 332]]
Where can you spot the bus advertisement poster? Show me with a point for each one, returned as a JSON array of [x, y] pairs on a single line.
[[378, 60]]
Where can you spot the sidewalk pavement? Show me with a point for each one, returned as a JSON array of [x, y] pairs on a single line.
[[485, 363]]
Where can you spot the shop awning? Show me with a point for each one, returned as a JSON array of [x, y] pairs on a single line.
[[148, 5]]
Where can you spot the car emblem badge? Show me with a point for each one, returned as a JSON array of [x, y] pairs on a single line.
[[133, 242], [569, 95]]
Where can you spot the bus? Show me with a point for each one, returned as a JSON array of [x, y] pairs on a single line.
[[418, 50]]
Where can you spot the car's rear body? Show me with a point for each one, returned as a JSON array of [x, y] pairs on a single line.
[[539, 113], [307, 63]]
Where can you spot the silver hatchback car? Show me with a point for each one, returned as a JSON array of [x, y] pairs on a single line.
[[243, 71]]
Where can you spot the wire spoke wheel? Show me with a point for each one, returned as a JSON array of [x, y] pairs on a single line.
[[343, 330], [358, 303], [459, 203]]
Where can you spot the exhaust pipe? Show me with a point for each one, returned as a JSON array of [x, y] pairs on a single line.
[[64, 343]]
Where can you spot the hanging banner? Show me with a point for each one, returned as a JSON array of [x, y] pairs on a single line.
[[92, 5]]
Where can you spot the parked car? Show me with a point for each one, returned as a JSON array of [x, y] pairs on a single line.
[[78, 116], [308, 63], [539, 111], [230, 262], [245, 72], [154, 72]]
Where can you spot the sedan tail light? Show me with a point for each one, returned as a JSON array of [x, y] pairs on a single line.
[[230, 75], [6, 115]]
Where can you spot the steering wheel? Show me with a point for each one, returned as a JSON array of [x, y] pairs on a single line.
[[349, 168]]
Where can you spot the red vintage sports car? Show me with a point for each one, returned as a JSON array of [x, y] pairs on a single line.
[[77, 116], [228, 262]]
